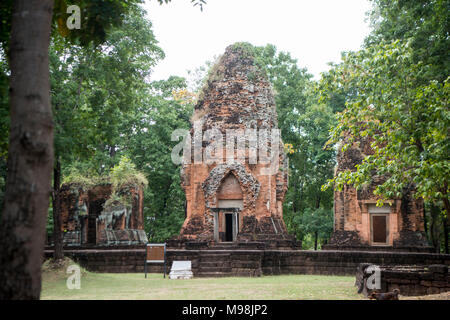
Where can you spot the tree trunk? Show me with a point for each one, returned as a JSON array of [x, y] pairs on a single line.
[[316, 233], [447, 208], [434, 228], [58, 253], [445, 225], [316, 236], [30, 155]]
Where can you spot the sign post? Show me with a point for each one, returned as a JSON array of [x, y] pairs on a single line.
[[155, 253]]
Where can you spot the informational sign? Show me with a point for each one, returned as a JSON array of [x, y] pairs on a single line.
[[156, 253]]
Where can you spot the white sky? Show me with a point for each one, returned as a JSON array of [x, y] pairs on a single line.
[[315, 32]]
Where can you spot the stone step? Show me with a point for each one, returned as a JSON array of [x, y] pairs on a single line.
[[212, 264], [213, 254], [215, 261], [214, 269], [223, 245], [213, 274], [214, 257]]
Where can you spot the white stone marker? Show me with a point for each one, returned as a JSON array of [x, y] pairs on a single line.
[[181, 270]]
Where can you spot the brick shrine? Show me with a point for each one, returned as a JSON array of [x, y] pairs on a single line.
[[89, 219], [235, 201], [360, 224]]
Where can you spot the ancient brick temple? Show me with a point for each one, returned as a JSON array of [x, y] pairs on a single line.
[[94, 217], [239, 197], [358, 222]]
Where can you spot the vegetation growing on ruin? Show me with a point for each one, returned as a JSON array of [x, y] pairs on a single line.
[[83, 179], [126, 174], [248, 53], [122, 176]]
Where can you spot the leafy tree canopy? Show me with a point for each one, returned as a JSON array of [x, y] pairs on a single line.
[[406, 119]]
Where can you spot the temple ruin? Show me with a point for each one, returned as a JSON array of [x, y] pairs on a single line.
[[360, 224], [234, 219], [97, 217], [237, 198]]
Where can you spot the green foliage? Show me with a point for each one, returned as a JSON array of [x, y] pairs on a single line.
[[98, 18], [198, 3], [150, 146], [81, 176], [106, 113], [126, 174], [49, 225], [395, 93], [426, 23], [6, 7], [407, 120], [94, 93], [304, 124], [317, 225], [122, 175]]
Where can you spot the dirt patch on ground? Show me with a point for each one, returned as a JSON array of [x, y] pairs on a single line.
[[440, 296], [56, 270]]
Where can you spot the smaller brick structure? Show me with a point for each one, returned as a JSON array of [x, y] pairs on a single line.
[[410, 280], [360, 225], [90, 217]]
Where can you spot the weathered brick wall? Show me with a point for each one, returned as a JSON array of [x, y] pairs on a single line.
[[410, 280], [431, 279], [73, 205], [86, 220]]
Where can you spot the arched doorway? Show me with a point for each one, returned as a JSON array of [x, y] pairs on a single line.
[[229, 205]]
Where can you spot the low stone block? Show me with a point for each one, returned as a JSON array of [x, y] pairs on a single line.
[[181, 270]]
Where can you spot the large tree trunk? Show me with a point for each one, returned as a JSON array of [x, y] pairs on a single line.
[[57, 224], [30, 156]]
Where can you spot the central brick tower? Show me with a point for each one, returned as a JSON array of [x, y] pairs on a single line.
[[238, 197]]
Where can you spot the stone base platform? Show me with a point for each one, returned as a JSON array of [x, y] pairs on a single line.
[[426, 249], [267, 244], [409, 280], [248, 262]]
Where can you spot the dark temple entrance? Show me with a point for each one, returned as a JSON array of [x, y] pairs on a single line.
[[379, 229], [230, 203], [228, 227], [95, 208]]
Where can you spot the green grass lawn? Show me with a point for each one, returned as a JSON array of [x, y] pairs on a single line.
[[135, 286]]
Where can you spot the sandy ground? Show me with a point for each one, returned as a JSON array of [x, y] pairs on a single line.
[[441, 296]]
